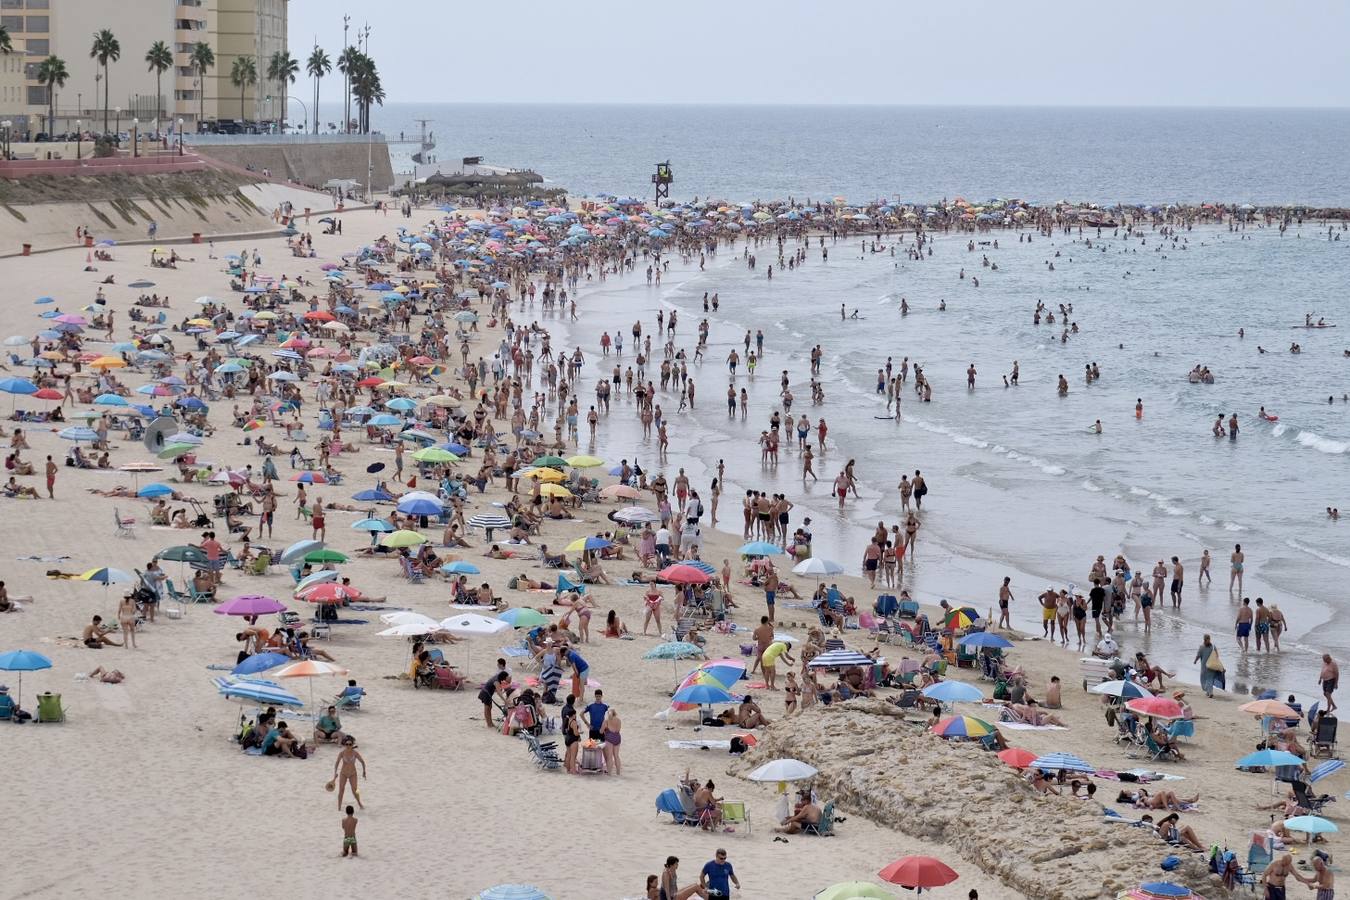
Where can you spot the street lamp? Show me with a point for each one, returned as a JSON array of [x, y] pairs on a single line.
[[180, 136], [135, 137], [117, 128], [7, 125], [79, 133], [306, 109]]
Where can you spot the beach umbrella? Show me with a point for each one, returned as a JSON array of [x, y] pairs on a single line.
[[1326, 769], [323, 576], [260, 662], [855, 890], [263, 693], [372, 525], [918, 872], [472, 625], [489, 521], [325, 555], [403, 538], [556, 462], [298, 550], [683, 574], [784, 770], [106, 576], [554, 490], [249, 605], [523, 617], [1161, 890], [460, 567], [620, 492], [636, 515], [22, 661], [1272, 708], [1062, 762], [674, 650], [587, 543], [544, 474], [384, 420], [760, 548], [78, 433], [1017, 757], [409, 629], [308, 477], [725, 672], [183, 553], [310, 669], [1124, 689], [836, 659], [817, 567], [435, 455], [704, 695], [420, 505], [1158, 707], [1311, 825], [953, 692], [173, 451], [963, 727], [960, 618], [326, 592], [110, 400], [1269, 758], [153, 490], [987, 640], [584, 462], [511, 892]]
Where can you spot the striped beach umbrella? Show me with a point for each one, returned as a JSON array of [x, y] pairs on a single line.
[[962, 727], [1061, 762], [264, 693], [836, 659], [512, 892]]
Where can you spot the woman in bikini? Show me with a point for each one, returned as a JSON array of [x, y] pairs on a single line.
[[611, 730], [652, 604], [344, 770], [126, 620], [614, 626]]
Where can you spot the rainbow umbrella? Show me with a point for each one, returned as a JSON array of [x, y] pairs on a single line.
[[963, 727], [960, 618]]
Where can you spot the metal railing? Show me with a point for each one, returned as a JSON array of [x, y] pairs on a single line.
[[206, 140]]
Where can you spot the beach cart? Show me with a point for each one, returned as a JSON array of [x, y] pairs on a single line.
[[1095, 670]]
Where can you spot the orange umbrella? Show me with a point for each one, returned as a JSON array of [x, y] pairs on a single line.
[[1017, 757], [918, 872]]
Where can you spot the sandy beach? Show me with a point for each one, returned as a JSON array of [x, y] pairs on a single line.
[[143, 791]]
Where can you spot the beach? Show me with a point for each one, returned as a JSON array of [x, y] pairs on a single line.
[[147, 770]]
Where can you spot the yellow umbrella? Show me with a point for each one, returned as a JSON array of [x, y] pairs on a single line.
[[402, 538], [108, 362], [51, 354], [543, 474], [554, 490], [266, 314], [394, 384], [584, 462], [205, 323], [430, 286]]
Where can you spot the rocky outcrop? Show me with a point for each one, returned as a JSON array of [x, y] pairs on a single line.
[[874, 764]]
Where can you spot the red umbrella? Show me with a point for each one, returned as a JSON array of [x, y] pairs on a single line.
[[372, 381], [1159, 707], [682, 574], [48, 394], [918, 872], [1017, 757], [328, 592], [320, 315]]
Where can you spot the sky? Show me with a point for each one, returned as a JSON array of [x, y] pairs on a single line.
[[939, 52]]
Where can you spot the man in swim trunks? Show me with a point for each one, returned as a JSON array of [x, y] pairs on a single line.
[[1323, 879], [771, 592], [1330, 678], [1275, 875], [1178, 579], [1244, 624], [1262, 625], [1049, 600]]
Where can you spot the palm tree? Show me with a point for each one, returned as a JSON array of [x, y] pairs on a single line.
[[159, 58], [318, 66], [106, 49], [244, 73], [282, 68], [203, 58], [52, 72], [6, 45], [345, 64], [367, 90]]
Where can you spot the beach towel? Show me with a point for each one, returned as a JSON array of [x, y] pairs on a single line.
[[49, 559], [378, 607], [1023, 726], [348, 622], [699, 745]]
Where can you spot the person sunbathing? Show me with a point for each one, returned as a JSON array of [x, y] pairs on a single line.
[[303, 649], [95, 636], [106, 676], [1040, 783], [749, 715], [1161, 799], [526, 583], [614, 626], [14, 489], [18, 466], [1171, 830], [707, 807], [805, 814], [592, 572]]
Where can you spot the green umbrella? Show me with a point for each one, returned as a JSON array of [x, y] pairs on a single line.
[[524, 617], [173, 451], [855, 890], [325, 556], [434, 455], [183, 554], [556, 462]]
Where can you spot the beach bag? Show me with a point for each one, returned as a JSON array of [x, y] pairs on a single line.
[[1214, 664], [738, 745]]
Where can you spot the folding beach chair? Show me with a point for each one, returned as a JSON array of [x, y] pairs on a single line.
[[1330, 767], [545, 754], [669, 801], [734, 813], [1324, 741], [50, 709], [1306, 799], [825, 827], [126, 528]]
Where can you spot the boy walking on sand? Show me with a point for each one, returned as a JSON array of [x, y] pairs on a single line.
[[349, 833]]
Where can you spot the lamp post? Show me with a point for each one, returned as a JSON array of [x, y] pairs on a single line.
[[306, 109], [7, 125], [117, 126], [79, 135], [180, 136], [135, 137]]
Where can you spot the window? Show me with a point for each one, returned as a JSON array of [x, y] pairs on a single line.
[[37, 95], [38, 24], [12, 24], [38, 46], [38, 4], [11, 4]]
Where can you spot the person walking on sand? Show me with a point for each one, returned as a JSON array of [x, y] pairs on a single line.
[[51, 479], [1329, 678], [349, 834], [344, 771], [1211, 667], [1005, 597], [1235, 571]]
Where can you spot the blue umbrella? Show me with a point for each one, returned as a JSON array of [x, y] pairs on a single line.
[[953, 692], [298, 550], [1269, 758], [373, 525], [78, 433], [699, 564], [17, 386], [420, 506], [229, 368], [260, 662], [190, 403], [402, 404], [384, 420], [1311, 825], [1066, 762], [153, 490], [110, 400], [261, 692], [1166, 889], [460, 568], [986, 639], [23, 661], [457, 449], [596, 543], [704, 695], [372, 495], [512, 892], [1126, 690], [759, 548], [45, 300]]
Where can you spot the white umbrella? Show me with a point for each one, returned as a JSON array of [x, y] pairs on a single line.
[[472, 625], [298, 550], [817, 567], [408, 618], [409, 629], [318, 577], [783, 770]]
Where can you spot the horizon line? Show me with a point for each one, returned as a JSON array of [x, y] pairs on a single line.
[[734, 103]]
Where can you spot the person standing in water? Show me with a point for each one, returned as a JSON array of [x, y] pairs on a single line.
[[1235, 571]]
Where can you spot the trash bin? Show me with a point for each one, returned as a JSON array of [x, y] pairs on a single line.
[[196, 237], [27, 249], [89, 240]]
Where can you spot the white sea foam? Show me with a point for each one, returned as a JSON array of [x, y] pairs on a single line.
[[1325, 557], [1317, 442], [1279, 429], [1089, 486]]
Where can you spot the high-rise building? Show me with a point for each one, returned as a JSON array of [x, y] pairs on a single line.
[[66, 28]]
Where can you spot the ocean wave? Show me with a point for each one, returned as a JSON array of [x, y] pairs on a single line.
[[1317, 442], [1089, 486], [1279, 429], [1206, 520], [970, 441], [1233, 526], [1325, 557]]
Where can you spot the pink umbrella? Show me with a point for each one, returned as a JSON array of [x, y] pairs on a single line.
[[1158, 707], [249, 605]]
